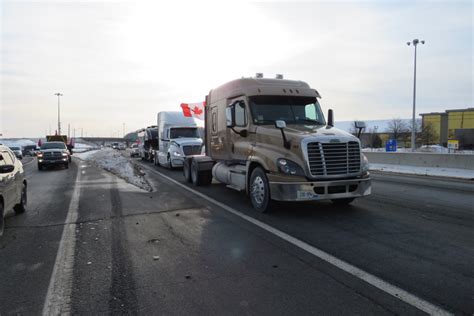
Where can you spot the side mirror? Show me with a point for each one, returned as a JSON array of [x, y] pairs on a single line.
[[359, 124], [229, 116], [330, 118], [280, 124], [7, 168]]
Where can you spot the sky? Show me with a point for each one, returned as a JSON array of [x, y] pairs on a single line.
[[119, 63]]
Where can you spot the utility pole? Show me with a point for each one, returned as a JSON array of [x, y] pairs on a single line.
[[123, 129], [415, 43], [59, 113], [68, 130]]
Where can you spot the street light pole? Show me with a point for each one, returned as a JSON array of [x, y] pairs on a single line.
[[59, 113], [415, 43]]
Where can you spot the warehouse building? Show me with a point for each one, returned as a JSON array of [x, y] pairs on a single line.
[[457, 124]]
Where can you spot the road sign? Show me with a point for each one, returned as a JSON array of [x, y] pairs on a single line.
[[391, 145]]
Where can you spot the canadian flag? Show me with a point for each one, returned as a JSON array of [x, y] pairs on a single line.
[[194, 109]]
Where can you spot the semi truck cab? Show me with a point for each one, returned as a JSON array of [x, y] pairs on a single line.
[[270, 139]]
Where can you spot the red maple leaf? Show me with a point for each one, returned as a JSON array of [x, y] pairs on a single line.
[[197, 110]]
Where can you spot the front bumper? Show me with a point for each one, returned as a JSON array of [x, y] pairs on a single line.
[[324, 190], [177, 161], [49, 162]]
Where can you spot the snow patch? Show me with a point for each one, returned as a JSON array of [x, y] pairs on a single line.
[[114, 162]]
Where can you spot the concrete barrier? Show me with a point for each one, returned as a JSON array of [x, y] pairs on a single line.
[[460, 161]]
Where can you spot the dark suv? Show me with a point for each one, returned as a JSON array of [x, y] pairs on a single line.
[[53, 153]]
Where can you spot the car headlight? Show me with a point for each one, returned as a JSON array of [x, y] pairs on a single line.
[[364, 163], [64, 154], [289, 167], [177, 154]]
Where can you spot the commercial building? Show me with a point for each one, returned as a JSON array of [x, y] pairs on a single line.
[[456, 124]]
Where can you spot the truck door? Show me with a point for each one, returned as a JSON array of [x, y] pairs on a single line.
[[240, 147], [163, 146]]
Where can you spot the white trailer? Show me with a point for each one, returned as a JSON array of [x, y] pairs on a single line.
[[178, 136]]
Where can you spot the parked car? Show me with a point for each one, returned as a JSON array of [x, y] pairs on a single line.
[[134, 150], [122, 146], [53, 154], [13, 187], [115, 145], [17, 151]]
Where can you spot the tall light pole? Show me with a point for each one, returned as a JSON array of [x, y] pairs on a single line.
[[415, 43], [59, 113]]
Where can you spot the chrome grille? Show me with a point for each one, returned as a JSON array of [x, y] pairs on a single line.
[[192, 150], [52, 155], [329, 159]]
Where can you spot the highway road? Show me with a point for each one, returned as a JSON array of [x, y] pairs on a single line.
[[90, 243]]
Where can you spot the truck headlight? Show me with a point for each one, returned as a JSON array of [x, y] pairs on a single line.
[[177, 154], [364, 164], [289, 167], [64, 154]]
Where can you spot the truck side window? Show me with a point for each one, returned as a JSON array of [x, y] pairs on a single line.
[[310, 112], [240, 117]]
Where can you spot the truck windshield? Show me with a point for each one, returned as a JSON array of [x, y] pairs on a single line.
[[291, 109], [55, 145], [183, 132]]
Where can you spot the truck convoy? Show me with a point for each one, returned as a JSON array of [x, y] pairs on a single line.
[[269, 138], [148, 143], [178, 137]]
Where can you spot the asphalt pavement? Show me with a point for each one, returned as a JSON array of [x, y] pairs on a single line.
[[171, 251]]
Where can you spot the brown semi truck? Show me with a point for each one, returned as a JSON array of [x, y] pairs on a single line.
[[269, 138]]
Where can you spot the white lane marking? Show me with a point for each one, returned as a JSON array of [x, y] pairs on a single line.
[[58, 298], [386, 287]]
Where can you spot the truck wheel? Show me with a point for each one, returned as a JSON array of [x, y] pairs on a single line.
[[345, 201], [21, 207], [66, 165], [187, 170], [260, 191], [40, 167], [2, 220], [200, 178]]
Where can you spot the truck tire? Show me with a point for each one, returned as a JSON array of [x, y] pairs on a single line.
[[66, 165], [200, 178], [40, 167], [21, 207], [2, 220], [345, 201], [187, 170], [259, 191]]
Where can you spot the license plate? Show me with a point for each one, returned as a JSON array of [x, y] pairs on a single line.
[[306, 195]]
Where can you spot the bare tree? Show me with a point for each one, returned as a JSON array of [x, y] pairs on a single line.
[[397, 127], [374, 139], [428, 134], [353, 130]]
